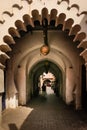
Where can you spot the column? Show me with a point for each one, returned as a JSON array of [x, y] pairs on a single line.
[[11, 91], [70, 84], [78, 103], [78, 94], [1, 90], [21, 84], [84, 55]]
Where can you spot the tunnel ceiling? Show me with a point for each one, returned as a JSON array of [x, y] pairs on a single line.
[[45, 66]]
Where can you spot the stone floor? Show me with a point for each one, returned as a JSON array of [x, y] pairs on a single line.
[[44, 113]]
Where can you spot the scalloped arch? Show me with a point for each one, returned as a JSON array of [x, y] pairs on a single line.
[[13, 32], [75, 29], [9, 40], [68, 24], [53, 14], [19, 6], [36, 17], [44, 13], [59, 20], [20, 25], [27, 20]]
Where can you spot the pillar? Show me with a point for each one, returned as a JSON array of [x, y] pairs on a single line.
[[84, 55], [21, 84], [11, 91], [70, 83], [1, 111], [78, 94], [78, 102]]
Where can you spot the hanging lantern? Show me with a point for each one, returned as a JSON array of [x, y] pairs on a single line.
[[44, 49]]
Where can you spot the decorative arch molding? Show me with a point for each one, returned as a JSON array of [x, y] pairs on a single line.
[[36, 19], [60, 20], [54, 19]]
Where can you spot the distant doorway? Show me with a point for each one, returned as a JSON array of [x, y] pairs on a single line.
[[48, 73]]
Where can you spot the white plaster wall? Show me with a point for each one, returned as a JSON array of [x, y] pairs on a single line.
[[1, 80]]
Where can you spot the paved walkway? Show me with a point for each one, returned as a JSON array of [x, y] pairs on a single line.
[[44, 113]]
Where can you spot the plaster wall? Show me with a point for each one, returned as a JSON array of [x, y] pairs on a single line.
[[1, 81]]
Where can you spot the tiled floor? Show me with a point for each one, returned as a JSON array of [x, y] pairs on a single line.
[[44, 113]]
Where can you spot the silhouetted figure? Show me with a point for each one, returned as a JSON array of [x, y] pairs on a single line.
[[44, 88]]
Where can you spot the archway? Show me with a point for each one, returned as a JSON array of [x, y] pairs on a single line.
[[26, 54], [60, 21], [55, 23], [46, 66]]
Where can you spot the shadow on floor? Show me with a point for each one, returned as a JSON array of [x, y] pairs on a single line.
[[50, 113]]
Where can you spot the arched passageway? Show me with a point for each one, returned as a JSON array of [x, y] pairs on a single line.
[[27, 64], [59, 36], [25, 25], [41, 72]]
